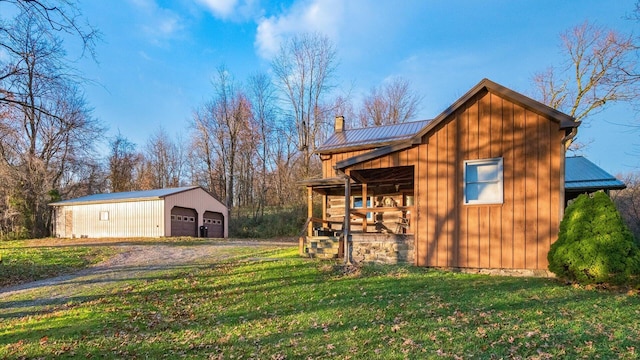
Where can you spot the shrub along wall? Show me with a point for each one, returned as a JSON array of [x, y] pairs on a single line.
[[594, 245]]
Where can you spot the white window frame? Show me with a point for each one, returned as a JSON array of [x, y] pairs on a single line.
[[368, 203], [499, 199], [104, 216]]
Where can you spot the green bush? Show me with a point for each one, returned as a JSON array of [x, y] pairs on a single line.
[[285, 222], [594, 245]]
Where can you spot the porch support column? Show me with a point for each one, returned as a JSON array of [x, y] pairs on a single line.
[[324, 209], [364, 205], [310, 210], [347, 219]]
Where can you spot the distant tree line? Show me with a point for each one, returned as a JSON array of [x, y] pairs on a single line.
[[252, 140], [248, 144]]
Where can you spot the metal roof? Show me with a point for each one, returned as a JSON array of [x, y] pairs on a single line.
[[582, 174], [125, 196], [370, 137]]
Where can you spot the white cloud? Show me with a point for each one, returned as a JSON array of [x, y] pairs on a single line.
[[324, 16], [157, 23], [232, 9], [168, 25], [220, 8]]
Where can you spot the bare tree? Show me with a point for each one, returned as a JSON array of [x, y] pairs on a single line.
[[262, 94], [600, 69], [122, 164], [304, 67], [628, 201], [50, 17], [165, 162], [221, 127], [204, 165], [47, 134], [393, 103]]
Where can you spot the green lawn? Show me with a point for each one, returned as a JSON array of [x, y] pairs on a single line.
[[21, 262], [279, 306]]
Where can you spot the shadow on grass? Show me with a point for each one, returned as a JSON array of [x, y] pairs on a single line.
[[264, 307]]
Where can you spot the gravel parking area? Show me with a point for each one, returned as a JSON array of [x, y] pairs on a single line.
[[136, 259]]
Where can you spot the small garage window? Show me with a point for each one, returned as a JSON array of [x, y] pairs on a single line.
[[173, 217], [104, 216], [192, 219]]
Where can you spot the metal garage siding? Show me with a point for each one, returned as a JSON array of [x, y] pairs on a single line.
[[197, 199], [59, 221], [126, 219]]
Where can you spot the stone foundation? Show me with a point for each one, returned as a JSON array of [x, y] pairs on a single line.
[[383, 248], [323, 247]]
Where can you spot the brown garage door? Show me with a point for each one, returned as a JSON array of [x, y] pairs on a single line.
[[184, 222], [214, 221]]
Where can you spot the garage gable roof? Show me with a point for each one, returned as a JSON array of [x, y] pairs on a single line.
[[125, 196]]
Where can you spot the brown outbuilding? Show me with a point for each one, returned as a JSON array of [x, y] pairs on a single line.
[[481, 186]]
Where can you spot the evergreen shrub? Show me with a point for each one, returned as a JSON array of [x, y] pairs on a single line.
[[594, 245]]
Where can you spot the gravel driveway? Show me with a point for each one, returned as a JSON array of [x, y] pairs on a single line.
[[135, 260]]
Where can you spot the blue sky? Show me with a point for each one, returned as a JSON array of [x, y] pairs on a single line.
[[157, 58]]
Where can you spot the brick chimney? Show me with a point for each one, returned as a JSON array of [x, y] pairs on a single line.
[[338, 126]]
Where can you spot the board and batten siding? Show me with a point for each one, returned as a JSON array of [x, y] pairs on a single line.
[[328, 164], [516, 234], [197, 199], [126, 219]]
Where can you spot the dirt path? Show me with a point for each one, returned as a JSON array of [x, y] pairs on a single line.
[[135, 260]]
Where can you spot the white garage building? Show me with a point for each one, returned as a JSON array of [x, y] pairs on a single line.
[[184, 211]]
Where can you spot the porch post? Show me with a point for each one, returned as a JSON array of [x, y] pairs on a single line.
[[347, 219], [310, 210], [364, 205]]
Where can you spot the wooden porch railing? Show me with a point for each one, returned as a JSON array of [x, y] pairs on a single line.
[[362, 212]]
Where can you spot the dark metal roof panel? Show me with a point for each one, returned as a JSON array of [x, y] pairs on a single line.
[[581, 173], [125, 196], [372, 136]]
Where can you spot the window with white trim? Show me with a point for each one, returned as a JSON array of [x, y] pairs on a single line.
[[104, 216], [483, 181], [358, 203]]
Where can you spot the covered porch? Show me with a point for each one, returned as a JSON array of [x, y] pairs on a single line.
[[371, 209]]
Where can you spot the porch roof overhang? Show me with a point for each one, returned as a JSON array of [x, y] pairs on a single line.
[[391, 175], [322, 182], [333, 185], [384, 178]]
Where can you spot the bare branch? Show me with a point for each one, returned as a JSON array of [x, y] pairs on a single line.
[[393, 103], [305, 66], [600, 69]]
